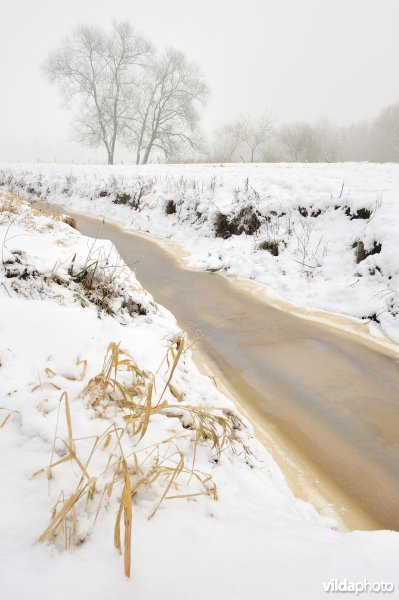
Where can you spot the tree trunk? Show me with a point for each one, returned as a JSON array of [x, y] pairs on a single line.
[[147, 153]]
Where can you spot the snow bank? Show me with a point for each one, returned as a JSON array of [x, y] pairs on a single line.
[[240, 533], [320, 236]]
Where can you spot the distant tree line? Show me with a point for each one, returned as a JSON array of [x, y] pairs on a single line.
[[122, 91], [258, 139]]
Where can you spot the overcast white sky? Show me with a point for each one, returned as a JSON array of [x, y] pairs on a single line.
[[300, 59]]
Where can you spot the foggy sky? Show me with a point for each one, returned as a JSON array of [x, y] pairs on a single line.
[[300, 59]]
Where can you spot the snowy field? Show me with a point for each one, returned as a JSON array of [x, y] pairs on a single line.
[[91, 430], [321, 236]]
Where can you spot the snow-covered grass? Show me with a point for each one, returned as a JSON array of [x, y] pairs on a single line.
[[93, 372], [320, 236], [141, 414]]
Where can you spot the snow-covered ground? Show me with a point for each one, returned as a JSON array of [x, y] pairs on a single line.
[[321, 236], [237, 533]]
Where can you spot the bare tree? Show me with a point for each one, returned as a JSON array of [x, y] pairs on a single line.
[[253, 133], [97, 74], [300, 141], [166, 114], [225, 144]]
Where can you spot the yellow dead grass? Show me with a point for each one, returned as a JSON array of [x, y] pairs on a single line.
[[124, 396]]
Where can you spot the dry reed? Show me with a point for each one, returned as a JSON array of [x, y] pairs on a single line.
[[124, 395]]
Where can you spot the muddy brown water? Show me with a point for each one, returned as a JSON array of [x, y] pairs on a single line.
[[327, 403]]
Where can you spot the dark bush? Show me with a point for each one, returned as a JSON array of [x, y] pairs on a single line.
[[361, 213], [103, 194], [32, 191], [134, 308], [308, 213], [303, 211], [15, 267], [376, 249], [361, 253], [122, 198], [373, 317], [170, 207], [134, 199], [271, 246], [222, 226], [375, 270], [246, 221]]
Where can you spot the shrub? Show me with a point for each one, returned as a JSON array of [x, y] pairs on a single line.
[[246, 221], [361, 213], [304, 212], [222, 226], [361, 253], [170, 207], [271, 246], [122, 198]]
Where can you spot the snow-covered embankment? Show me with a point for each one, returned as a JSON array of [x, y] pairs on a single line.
[[106, 422], [321, 236]]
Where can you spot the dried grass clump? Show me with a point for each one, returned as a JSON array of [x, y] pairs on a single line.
[[9, 203], [71, 221], [125, 397], [103, 283], [14, 204], [10, 413], [54, 214]]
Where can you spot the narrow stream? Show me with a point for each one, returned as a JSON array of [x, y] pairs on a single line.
[[326, 405]]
